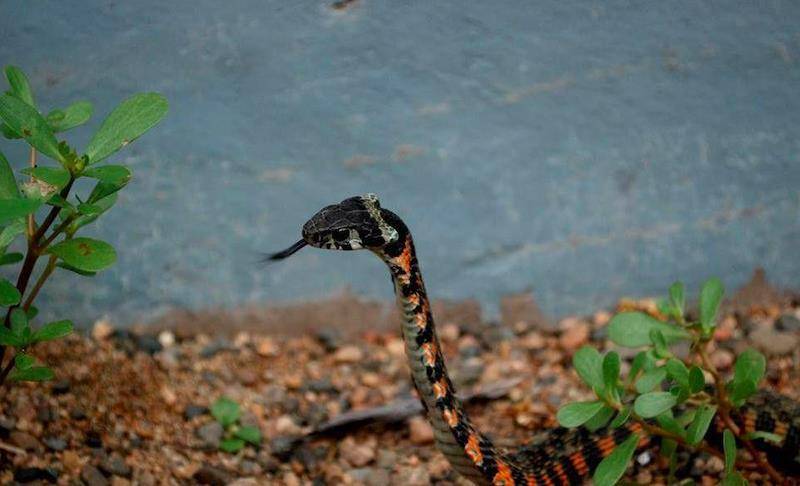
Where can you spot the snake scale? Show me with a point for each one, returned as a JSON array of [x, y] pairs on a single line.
[[563, 456]]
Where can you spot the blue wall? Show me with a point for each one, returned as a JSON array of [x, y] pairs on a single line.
[[583, 150]]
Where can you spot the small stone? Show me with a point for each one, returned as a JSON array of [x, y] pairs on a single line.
[[30, 474], [420, 431], [450, 333], [25, 441], [55, 443], [148, 343], [348, 354], [266, 347], [722, 359], [77, 413], [94, 440], [60, 387], [533, 340], [386, 459], [774, 343], [412, 476], [787, 322], [290, 479], [574, 336], [601, 318], [323, 385], [330, 338], [168, 395], [211, 475], [245, 482], [210, 434], [166, 338], [357, 455], [214, 348], [370, 476], [118, 481], [283, 447], [285, 425], [102, 330], [115, 465], [250, 468], [92, 476], [192, 411], [71, 460]]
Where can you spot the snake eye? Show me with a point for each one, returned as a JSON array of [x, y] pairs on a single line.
[[341, 234]]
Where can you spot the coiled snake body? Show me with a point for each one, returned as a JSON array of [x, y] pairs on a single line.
[[564, 456]]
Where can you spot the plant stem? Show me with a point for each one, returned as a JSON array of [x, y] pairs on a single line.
[[724, 409], [31, 217], [48, 270]]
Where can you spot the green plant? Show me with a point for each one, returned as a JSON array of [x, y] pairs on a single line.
[[668, 396], [227, 413], [48, 188]]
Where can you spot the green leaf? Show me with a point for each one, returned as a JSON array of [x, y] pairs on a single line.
[[127, 122], [697, 380], [652, 404], [600, 419], [589, 365], [8, 184], [10, 258], [231, 446], [11, 209], [651, 379], [621, 417], [611, 370], [9, 338], [53, 330], [659, 343], [611, 469], [741, 391], [677, 298], [72, 116], [750, 366], [699, 426], [9, 295], [678, 372], [32, 312], [249, 433], [225, 411], [85, 254], [577, 413], [27, 122], [632, 329], [20, 87], [710, 298], [19, 321], [55, 176], [35, 373], [117, 175], [104, 204], [668, 423], [72, 269], [102, 190], [767, 436], [23, 361], [729, 446]]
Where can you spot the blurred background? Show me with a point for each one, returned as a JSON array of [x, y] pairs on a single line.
[[577, 150]]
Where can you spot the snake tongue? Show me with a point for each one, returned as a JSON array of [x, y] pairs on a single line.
[[287, 252]]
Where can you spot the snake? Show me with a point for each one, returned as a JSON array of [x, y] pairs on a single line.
[[557, 456]]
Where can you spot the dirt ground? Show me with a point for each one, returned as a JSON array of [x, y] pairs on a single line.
[[131, 407]]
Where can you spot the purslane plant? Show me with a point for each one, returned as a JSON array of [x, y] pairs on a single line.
[[667, 395], [47, 190], [237, 435]]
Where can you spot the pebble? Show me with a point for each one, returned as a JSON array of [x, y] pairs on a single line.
[[285, 425], [94, 440], [420, 431], [210, 434], [357, 455], [192, 411], [412, 476], [211, 475], [60, 387], [25, 441], [92, 476], [722, 359], [215, 347], [283, 447], [370, 476], [266, 347], [574, 336], [30, 474], [787, 322], [533, 341], [330, 338], [115, 465], [55, 443], [118, 481], [71, 460], [348, 354], [102, 330], [773, 342], [148, 343], [166, 338], [450, 333], [245, 482]]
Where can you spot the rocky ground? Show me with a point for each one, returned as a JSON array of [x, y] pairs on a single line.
[[132, 408]]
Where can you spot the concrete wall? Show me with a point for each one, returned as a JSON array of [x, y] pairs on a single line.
[[582, 150]]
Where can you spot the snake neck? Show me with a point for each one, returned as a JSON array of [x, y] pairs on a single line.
[[471, 453]]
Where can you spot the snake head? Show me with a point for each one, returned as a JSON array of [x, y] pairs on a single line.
[[355, 223]]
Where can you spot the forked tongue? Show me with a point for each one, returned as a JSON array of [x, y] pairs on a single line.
[[287, 252]]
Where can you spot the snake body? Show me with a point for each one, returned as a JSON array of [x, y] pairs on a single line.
[[563, 456]]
